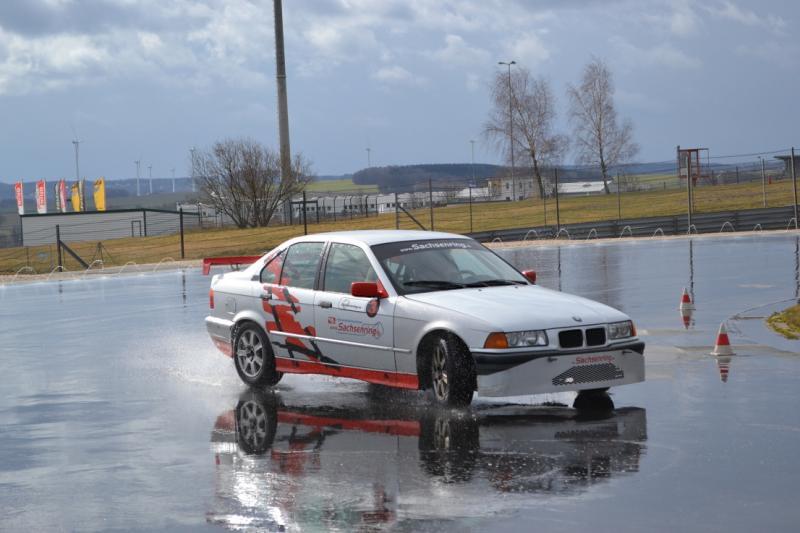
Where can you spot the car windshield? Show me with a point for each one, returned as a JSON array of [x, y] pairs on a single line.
[[443, 264]]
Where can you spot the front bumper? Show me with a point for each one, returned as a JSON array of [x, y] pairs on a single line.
[[538, 372]]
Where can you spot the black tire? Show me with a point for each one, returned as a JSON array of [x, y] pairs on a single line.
[[452, 371], [449, 446], [594, 401], [253, 356], [256, 422]]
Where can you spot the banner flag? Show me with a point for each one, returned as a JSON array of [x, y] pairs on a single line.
[[62, 193], [100, 194], [57, 196], [41, 197], [76, 197], [18, 190]]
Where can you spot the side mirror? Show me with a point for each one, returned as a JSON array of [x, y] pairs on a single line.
[[365, 289], [531, 275]]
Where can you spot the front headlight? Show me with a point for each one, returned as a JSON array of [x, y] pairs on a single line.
[[516, 339], [621, 330]]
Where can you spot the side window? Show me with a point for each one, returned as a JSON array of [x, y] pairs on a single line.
[[300, 265], [271, 272], [346, 264]]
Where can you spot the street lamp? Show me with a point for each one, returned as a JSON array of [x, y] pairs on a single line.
[[137, 163], [510, 126], [191, 150]]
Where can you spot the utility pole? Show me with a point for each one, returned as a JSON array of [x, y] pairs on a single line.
[[283, 105], [511, 126], [763, 182], [472, 146], [558, 211], [150, 176], [191, 151], [470, 209], [619, 200], [138, 189], [173, 179], [369, 157]]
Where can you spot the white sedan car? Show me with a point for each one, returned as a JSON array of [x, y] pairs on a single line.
[[417, 310]]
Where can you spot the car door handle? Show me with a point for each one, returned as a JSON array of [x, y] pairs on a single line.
[[266, 296], [325, 305]]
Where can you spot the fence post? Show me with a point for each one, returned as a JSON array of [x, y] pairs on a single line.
[[794, 189], [396, 213], [180, 218], [558, 211], [58, 247], [430, 199], [619, 200], [305, 222], [763, 183], [470, 208], [144, 223]]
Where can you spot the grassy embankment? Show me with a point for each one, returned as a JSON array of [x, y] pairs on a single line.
[[786, 323], [486, 216]]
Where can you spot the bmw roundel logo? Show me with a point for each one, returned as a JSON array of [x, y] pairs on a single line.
[[577, 318]]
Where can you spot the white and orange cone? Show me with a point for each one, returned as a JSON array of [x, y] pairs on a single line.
[[686, 301], [724, 365], [723, 345]]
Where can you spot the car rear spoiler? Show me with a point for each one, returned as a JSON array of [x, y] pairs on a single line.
[[234, 260]]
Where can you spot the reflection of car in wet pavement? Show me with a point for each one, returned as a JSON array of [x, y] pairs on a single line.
[[416, 310], [382, 460]]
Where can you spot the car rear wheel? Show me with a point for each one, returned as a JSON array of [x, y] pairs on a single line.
[[253, 357], [452, 374]]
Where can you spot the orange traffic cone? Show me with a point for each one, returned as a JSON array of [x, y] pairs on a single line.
[[723, 345], [724, 365], [686, 301]]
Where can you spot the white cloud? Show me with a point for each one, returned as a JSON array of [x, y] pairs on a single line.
[[528, 50], [397, 75], [683, 21], [662, 55], [457, 52], [728, 10]]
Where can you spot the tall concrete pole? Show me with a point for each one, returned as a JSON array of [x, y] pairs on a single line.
[[77, 144], [138, 189], [150, 177], [191, 151], [283, 106], [794, 188], [763, 182], [511, 127], [472, 146]]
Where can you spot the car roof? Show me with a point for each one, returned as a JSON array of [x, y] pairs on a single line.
[[378, 236]]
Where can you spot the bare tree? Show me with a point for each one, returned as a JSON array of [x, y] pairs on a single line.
[[599, 139], [242, 179], [533, 113]]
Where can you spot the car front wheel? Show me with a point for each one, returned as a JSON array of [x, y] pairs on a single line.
[[452, 374], [253, 357]]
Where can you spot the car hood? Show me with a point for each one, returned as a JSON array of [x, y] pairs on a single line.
[[521, 307]]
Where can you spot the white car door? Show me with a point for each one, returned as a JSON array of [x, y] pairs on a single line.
[[288, 305], [354, 332]]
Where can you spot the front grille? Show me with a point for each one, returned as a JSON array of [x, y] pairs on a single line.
[[571, 338], [589, 374], [595, 336]]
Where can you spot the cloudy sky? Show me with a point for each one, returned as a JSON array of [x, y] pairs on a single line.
[[148, 79]]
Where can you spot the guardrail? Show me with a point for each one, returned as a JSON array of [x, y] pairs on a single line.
[[746, 220]]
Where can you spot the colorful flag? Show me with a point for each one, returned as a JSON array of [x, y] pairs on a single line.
[[41, 197], [100, 194], [76, 196], [62, 193], [18, 190]]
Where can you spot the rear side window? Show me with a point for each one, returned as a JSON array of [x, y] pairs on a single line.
[[301, 264], [346, 264], [271, 272]]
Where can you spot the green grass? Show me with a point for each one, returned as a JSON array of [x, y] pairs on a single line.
[[786, 323], [341, 185], [454, 218]]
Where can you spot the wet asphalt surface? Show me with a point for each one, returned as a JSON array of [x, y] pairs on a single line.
[[117, 413]]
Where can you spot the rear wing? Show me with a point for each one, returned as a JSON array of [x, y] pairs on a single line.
[[235, 261]]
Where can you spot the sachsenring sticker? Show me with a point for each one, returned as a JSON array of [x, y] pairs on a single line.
[[356, 328], [594, 359]]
